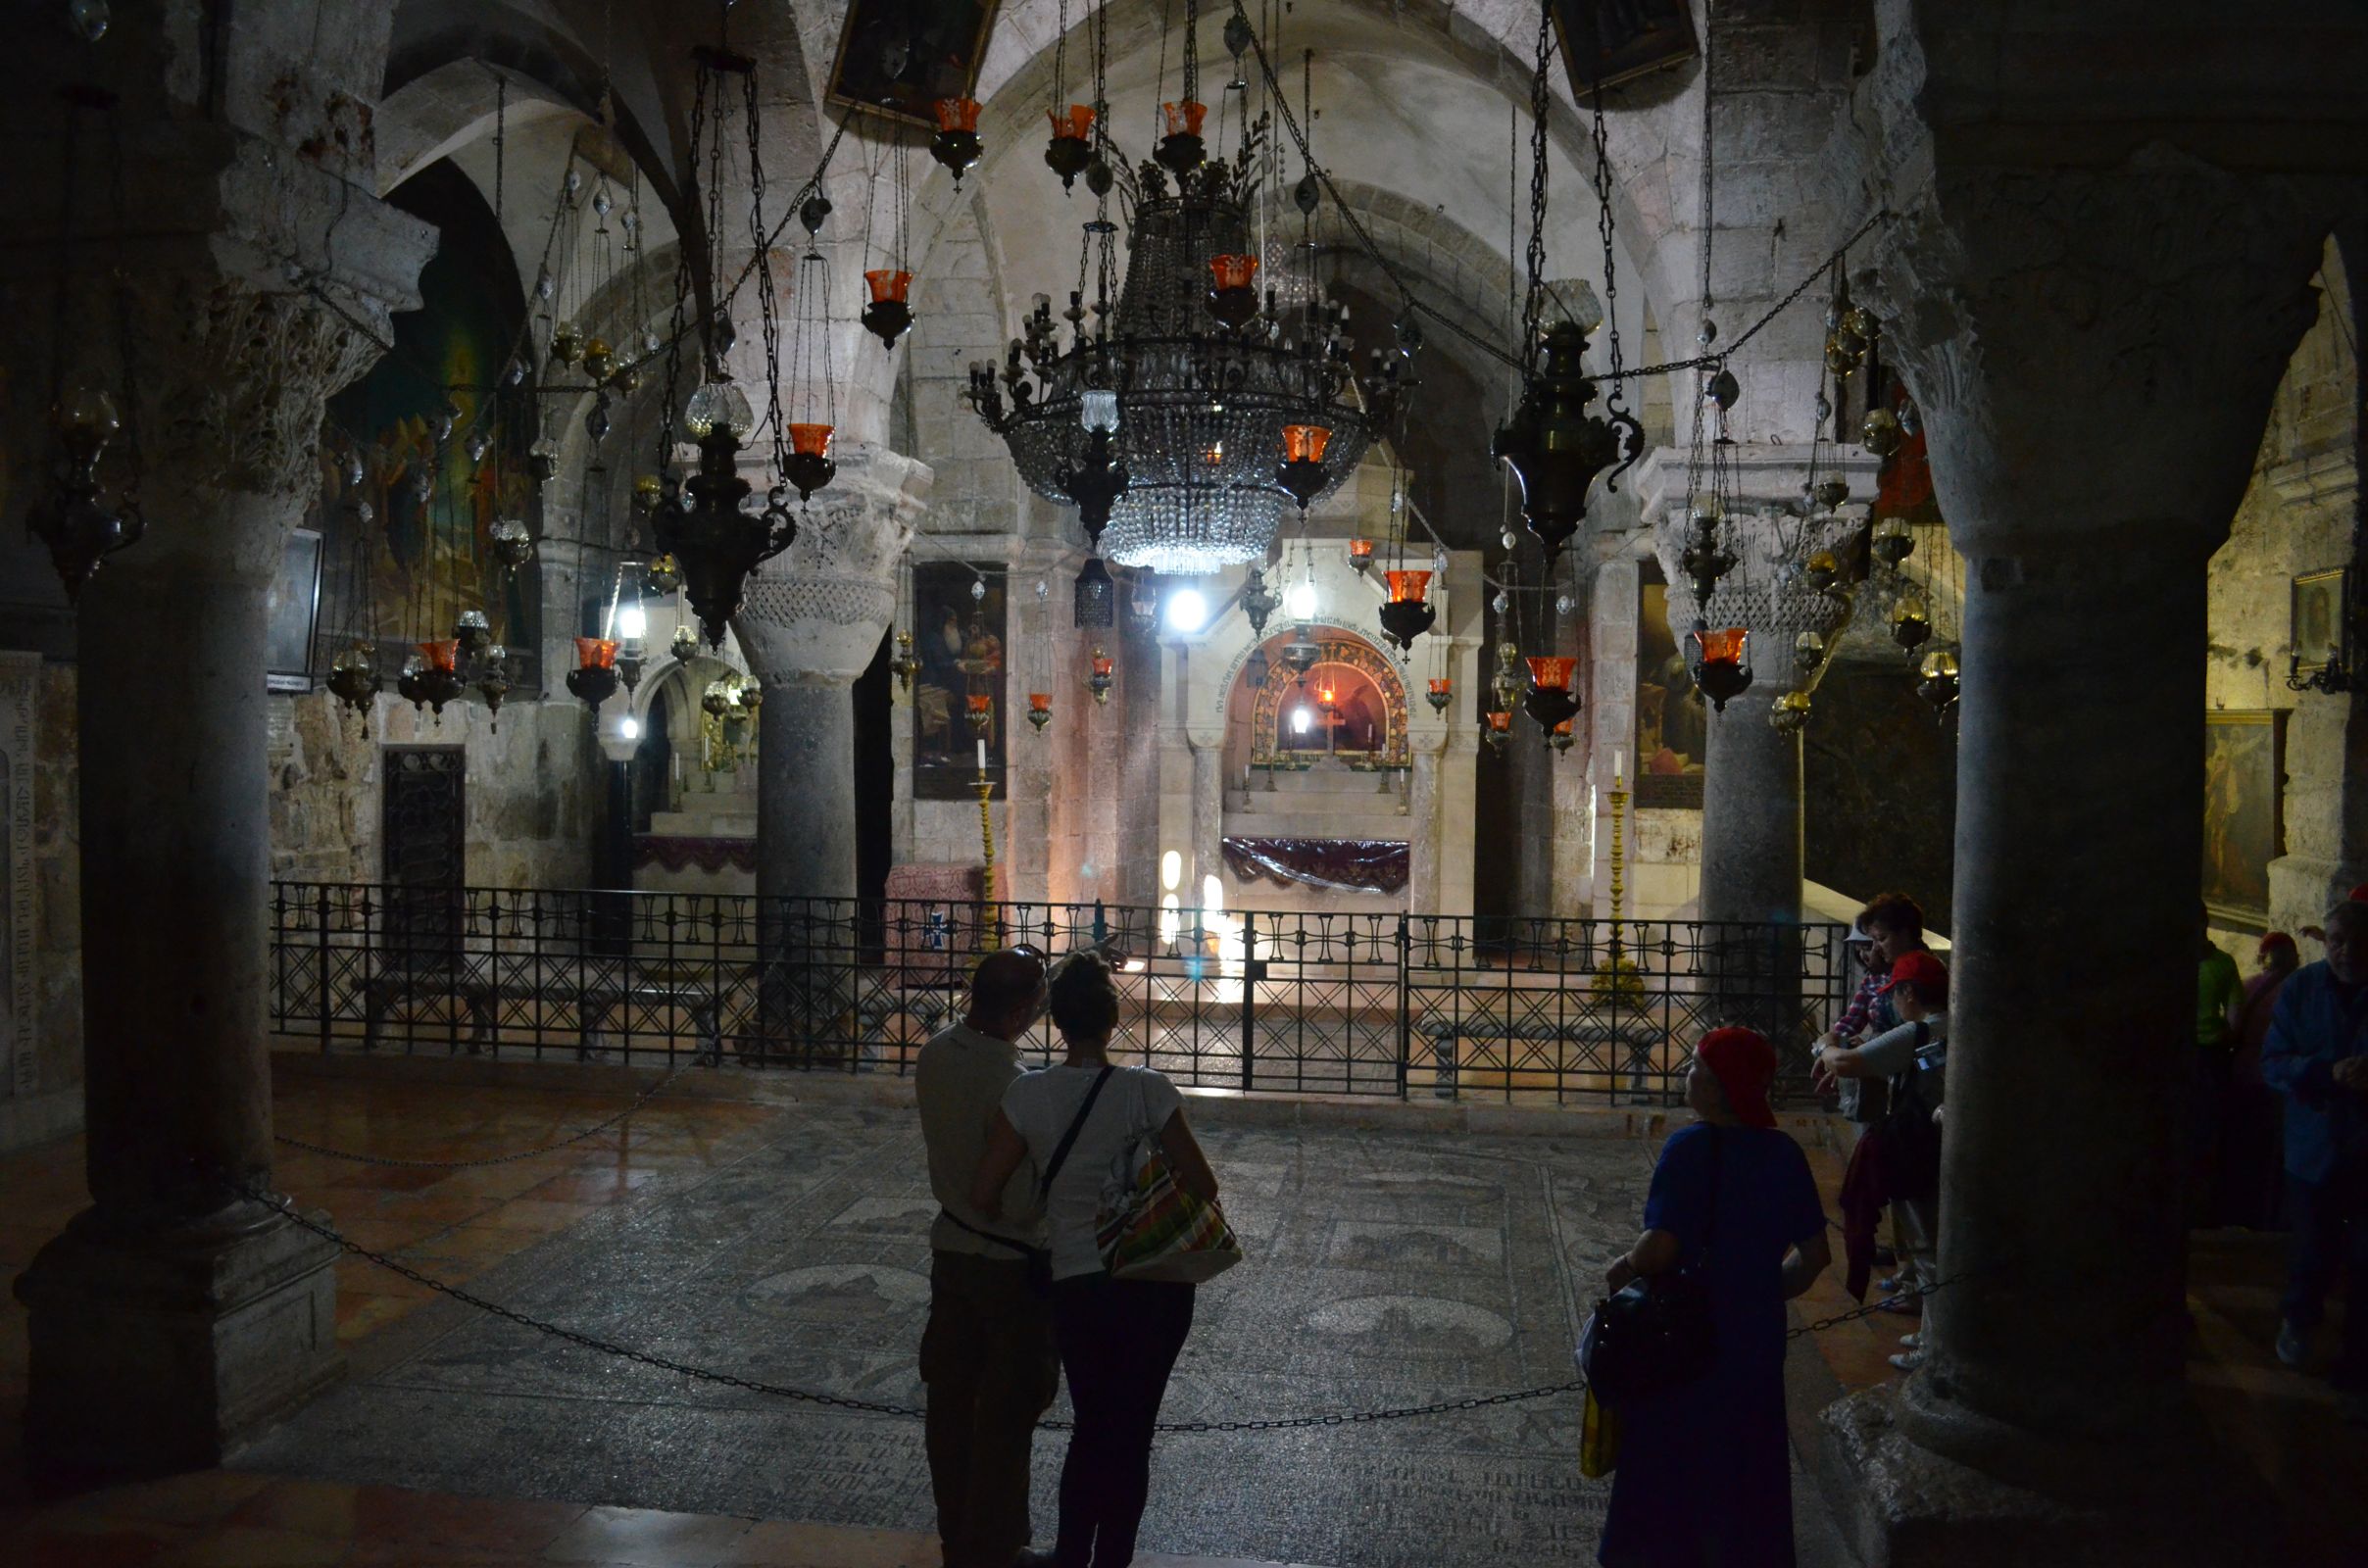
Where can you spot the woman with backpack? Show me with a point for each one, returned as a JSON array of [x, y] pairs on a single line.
[[1081, 1122], [1704, 1473]]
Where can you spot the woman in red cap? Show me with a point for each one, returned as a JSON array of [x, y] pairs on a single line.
[[1705, 1469]]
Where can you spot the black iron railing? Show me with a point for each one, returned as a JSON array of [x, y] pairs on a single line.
[[1353, 1003]]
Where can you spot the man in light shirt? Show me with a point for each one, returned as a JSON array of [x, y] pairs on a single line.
[[987, 1355]]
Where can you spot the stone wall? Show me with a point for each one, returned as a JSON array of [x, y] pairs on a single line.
[[2301, 515], [1879, 787], [534, 793]]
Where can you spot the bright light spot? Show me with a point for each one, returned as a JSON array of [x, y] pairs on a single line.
[[633, 624], [1299, 721], [1187, 610], [629, 727], [1167, 921], [1212, 894], [1133, 967], [1171, 871], [1299, 600]]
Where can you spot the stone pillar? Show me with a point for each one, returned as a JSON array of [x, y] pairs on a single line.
[[1750, 851], [173, 1317], [1207, 812], [2019, 303], [810, 621]]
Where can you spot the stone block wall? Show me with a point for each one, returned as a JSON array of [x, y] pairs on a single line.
[[2299, 515]]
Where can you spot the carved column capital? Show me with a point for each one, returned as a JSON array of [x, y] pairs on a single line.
[[814, 614], [1765, 591]]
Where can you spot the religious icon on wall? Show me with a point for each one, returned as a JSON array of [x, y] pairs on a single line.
[[958, 697], [1672, 723], [289, 611], [403, 568], [1608, 42], [2243, 824], [2317, 625], [899, 57]]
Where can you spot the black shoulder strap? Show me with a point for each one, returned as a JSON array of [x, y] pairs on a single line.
[[1719, 1169], [1061, 1151]]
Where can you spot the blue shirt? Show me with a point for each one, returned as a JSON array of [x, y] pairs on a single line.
[[2318, 1022], [1766, 1204]]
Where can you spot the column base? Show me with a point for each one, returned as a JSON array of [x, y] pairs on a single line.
[[162, 1352], [1904, 1505]]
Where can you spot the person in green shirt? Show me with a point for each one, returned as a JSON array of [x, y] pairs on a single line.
[[2219, 994]]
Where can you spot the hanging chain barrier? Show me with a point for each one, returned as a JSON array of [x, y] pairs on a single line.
[[286, 1208], [594, 1131]]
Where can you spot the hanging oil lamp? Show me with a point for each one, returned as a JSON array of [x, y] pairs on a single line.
[[1938, 682], [1100, 680], [438, 679], [493, 684], [715, 542], [1563, 737], [1789, 714], [1069, 150], [1360, 555], [513, 543], [1442, 693], [472, 632], [566, 345], [1717, 665], [1232, 292], [684, 643], [905, 665], [956, 145], [1506, 688], [1822, 570], [1097, 479], [1808, 651], [717, 700], [647, 493], [809, 466], [1409, 613], [1879, 434], [1040, 710], [1302, 472], [353, 680], [1893, 541], [542, 459], [594, 677], [1550, 700], [1910, 622], [1302, 652], [1259, 602], [979, 707], [78, 529], [600, 360], [1555, 447], [1704, 559], [1181, 149], [888, 315], [1496, 727]]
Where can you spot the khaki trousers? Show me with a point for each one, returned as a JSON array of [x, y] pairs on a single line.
[[988, 1360]]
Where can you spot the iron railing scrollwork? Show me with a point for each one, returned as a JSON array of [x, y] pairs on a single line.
[[1362, 1004]]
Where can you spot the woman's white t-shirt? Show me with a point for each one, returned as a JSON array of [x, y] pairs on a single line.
[[1135, 1103]]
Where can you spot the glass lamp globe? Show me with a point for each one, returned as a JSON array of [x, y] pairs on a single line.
[[1299, 600], [1097, 410], [719, 403]]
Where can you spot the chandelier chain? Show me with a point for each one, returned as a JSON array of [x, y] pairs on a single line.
[[768, 304], [1533, 303]]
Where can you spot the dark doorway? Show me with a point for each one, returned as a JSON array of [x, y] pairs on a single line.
[[1879, 791], [875, 767], [422, 852]]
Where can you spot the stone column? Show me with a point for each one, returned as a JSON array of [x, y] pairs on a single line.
[[1752, 821], [173, 1317], [810, 621], [1207, 812], [2020, 303]]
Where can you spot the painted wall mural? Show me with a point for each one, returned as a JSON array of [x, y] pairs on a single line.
[[401, 570]]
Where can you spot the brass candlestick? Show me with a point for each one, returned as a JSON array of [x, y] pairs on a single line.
[[1619, 858], [986, 840]]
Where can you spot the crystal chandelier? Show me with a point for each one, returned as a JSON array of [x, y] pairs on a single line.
[[1225, 411]]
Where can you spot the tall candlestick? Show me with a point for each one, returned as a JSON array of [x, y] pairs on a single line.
[[982, 756]]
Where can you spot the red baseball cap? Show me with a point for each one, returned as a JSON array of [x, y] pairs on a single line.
[[2275, 939], [2359, 895], [1922, 970], [1744, 1066]]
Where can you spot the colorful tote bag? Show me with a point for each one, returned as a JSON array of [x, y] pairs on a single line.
[[1150, 1228]]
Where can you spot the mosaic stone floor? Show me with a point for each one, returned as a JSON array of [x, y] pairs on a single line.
[[1386, 1269]]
